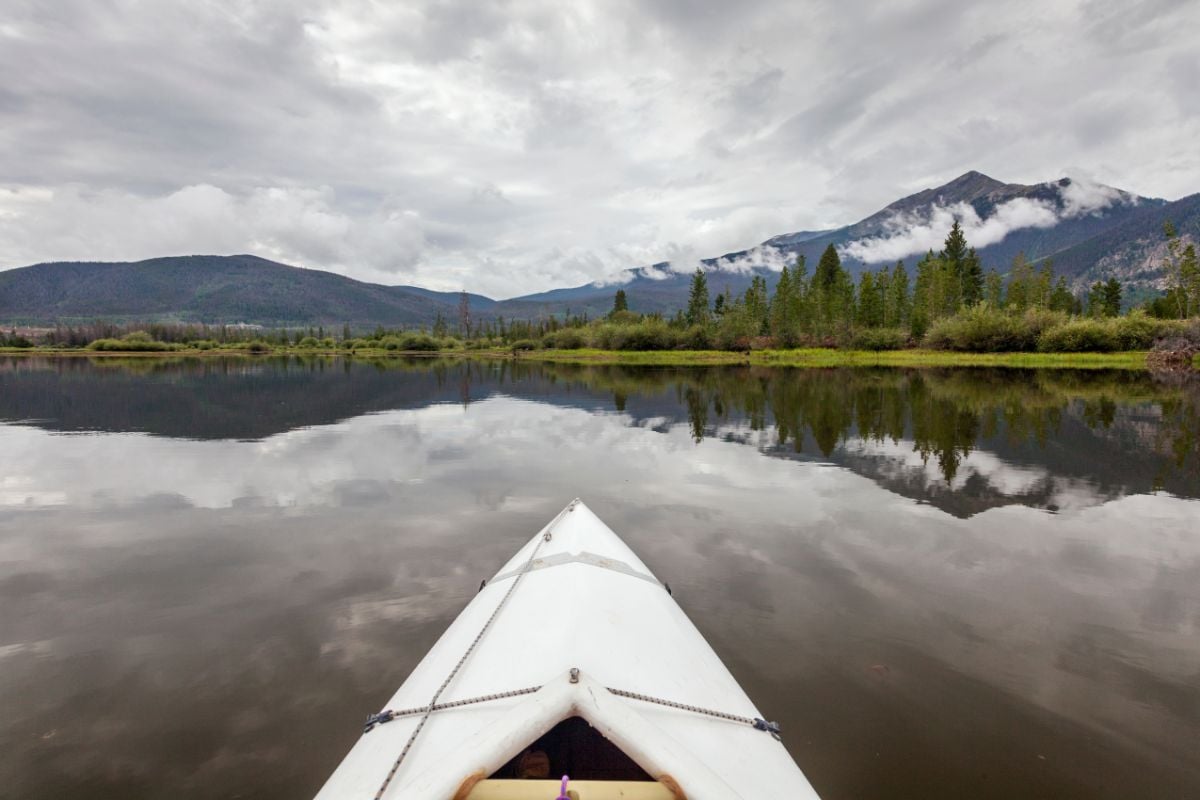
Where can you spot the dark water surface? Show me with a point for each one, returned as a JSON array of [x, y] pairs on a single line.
[[943, 583]]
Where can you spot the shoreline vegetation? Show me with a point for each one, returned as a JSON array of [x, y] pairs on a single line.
[[817, 357], [953, 315]]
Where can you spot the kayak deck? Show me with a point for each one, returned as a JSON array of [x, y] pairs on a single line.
[[587, 616]]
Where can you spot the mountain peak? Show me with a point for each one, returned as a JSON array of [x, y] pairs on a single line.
[[969, 186], [966, 188]]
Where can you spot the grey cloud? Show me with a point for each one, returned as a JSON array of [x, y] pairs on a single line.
[[512, 146], [756, 94]]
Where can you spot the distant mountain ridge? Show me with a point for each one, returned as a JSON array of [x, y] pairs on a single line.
[[1119, 234], [1123, 238]]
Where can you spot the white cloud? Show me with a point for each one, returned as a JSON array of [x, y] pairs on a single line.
[[918, 232], [1084, 196], [301, 226]]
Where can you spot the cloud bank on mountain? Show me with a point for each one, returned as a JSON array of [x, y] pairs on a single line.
[[923, 230]]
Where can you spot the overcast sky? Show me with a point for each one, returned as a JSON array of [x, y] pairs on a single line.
[[514, 147]]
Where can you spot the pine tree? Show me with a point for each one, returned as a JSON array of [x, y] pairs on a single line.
[[870, 309], [620, 302], [898, 305], [829, 289], [993, 289], [828, 270], [1061, 298], [1019, 284], [925, 302], [697, 310], [803, 292], [757, 307], [1189, 272], [1111, 297], [1095, 299], [954, 257], [783, 311], [1173, 266], [972, 278], [954, 250], [1042, 287]]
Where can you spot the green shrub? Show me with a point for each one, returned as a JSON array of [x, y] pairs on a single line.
[[258, 346], [624, 317], [649, 334], [1039, 320], [135, 342], [604, 336], [202, 344], [418, 342], [565, 339], [981, 329], [524, 344], [308, 341], [879, 339], [390, 343], [697, 337], [736, 329], [1138, 330], [732, 339], [1079, 336]]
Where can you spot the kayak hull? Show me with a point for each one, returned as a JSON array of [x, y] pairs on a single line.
[[585, 616]]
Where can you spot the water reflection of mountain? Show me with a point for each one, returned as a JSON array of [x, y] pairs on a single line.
[[245, 398], [962, 440]]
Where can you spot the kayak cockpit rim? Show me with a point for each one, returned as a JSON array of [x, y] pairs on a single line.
[[486, 751]]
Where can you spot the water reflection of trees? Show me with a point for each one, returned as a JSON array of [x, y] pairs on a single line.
[[945, 413]]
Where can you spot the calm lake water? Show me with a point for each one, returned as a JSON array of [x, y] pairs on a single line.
[[942, 583]]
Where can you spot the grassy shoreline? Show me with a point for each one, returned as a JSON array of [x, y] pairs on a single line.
[[826, 357], [802, 357]]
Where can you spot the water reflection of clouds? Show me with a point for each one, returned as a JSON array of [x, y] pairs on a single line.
[[157, 547], [1008, 479]]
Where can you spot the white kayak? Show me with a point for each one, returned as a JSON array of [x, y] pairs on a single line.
[[573, 655]]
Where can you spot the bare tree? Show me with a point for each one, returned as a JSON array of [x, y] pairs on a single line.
[[464, 314]]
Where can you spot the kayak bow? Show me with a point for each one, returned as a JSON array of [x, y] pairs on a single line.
[[577, 657]]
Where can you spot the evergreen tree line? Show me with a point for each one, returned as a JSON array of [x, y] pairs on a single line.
[[828, 307], [950, 301]]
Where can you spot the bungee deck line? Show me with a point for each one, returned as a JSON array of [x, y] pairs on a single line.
[[386, 716]]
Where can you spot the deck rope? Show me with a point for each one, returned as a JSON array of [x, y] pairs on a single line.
[[389, 715], [754, 722], [431, 707]]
